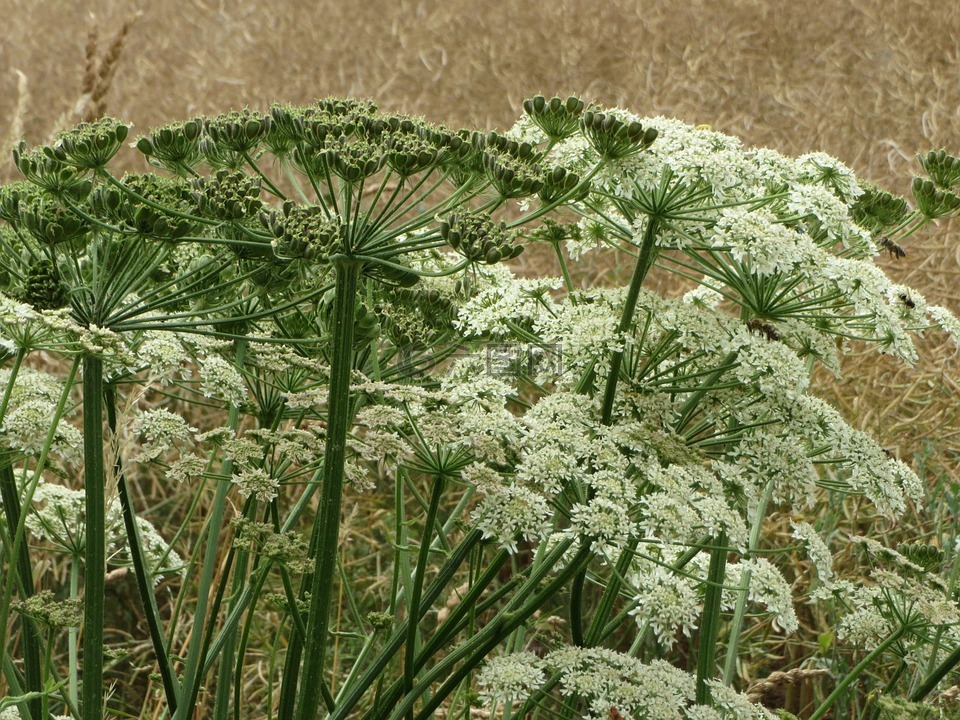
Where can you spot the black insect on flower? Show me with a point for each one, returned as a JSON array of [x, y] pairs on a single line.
[[767, 330], [905, 299], [895, 250]]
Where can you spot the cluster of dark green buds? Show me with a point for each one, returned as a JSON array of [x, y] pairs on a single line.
[[933, 202], [559, 118], [512, 167], [414, 315], [929, 557], [303, 232], [479, 239], [51, 174], [612, 138], [14, 197], [138, 210], [239, 131], [943, 168], [877, 210], [228, 196], [560, 184], [366, 322], [408, 154], [366, 326], [52, 224], [43, 287], [355, 161], [174, 147], [90, 146]]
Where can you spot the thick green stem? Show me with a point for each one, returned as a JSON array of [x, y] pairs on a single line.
[[10, 497], [328, 512], [856, 672], [17, 533], [95, 564], [710, 624], [73, 635]]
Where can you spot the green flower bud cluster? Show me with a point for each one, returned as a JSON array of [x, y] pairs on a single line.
[[408, 154], [43, 287], [304, 232], [124, 210], [558, 118], [239, 131], [511, 167], [346, 106], [174, 147], [14, 197], [52, 224], [613, 138], [90, 146], [366, 322], [877, 210], [366, 326], [929, 557], [943, 169], [933, 202], [46, 609], [414, 316], [228, 196], [45, 171], [479, 239], [355, 161], [559, 183]]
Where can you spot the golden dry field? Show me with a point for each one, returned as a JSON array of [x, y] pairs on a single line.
[[871, 82]]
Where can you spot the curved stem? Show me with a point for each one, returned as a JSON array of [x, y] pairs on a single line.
[[195, 669], [31, 637], [936, 676]]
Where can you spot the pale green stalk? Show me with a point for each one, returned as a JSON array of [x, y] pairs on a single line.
[[730, 665], [194, 671]]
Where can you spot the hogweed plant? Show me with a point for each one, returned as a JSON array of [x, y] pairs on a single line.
[[399, 482]]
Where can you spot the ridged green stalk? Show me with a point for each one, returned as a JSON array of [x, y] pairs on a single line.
[[710, 624], [328, 513], [10, 498], [95, 562]]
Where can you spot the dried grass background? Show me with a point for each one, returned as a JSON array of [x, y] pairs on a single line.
[[871, 82]]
